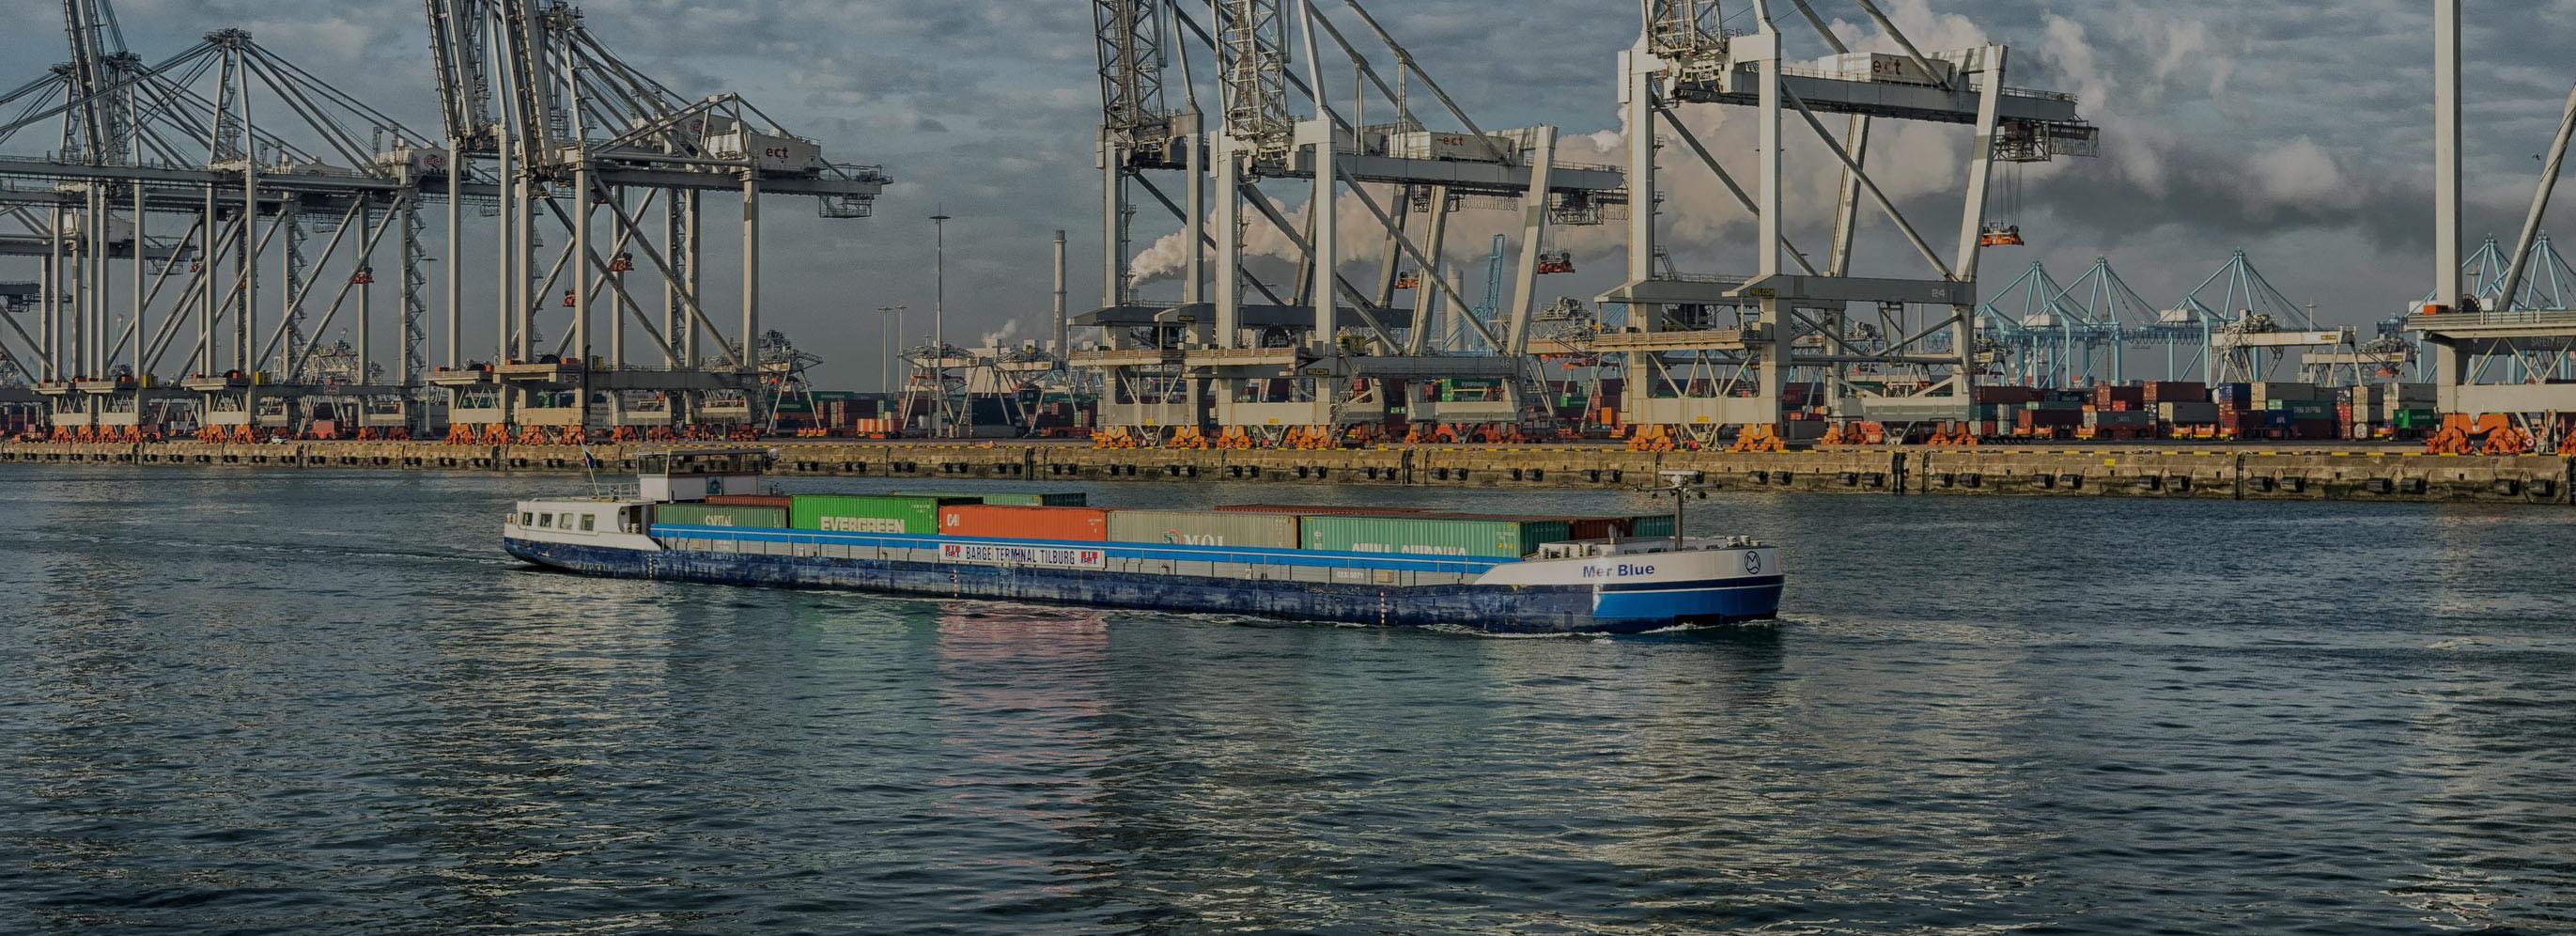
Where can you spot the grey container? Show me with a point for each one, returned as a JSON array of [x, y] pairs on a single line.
[[1204, 528]]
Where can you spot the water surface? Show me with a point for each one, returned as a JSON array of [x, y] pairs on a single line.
[[301, 702]]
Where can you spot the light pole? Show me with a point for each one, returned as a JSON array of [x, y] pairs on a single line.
[[893, 328], [939, 325]]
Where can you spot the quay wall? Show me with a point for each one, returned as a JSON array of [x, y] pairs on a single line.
[[2207, 472]]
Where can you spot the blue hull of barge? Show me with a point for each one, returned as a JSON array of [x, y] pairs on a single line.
[[1534, 610]]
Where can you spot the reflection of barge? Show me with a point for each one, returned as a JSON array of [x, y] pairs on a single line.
[[1595, 585]]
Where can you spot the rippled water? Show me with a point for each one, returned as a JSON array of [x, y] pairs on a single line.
[[321, 702]]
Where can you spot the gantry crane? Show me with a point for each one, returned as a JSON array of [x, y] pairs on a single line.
[[1710, 353], [274, 209], [574, 139], [1316, 360], [298, 207], [2494, 357]]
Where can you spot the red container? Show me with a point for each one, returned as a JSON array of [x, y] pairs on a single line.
[[780, 501], [1596, 528], [1086, 524], [2119, 398], [2175, 391]]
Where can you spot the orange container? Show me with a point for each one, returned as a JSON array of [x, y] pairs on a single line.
[[1087, 524]]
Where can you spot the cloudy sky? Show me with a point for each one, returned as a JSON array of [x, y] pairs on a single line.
[[2295, 131]]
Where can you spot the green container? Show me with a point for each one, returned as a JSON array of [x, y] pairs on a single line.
[[1008, 498], [1482, 537], [1204, 528], [723, 515], [1652, 526], [856, 513]]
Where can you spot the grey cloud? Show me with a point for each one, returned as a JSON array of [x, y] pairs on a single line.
[[986, 108]]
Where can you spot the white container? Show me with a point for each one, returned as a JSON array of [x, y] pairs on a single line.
[[1896, 69], [1455, 147]]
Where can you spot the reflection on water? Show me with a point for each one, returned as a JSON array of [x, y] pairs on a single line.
[[236, 703]]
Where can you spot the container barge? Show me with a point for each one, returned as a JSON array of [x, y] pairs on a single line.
[[701, 516]]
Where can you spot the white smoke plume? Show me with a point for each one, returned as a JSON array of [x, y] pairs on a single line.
[[1002, 337]]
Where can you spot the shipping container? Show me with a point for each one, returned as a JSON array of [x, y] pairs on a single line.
[[1651, 526], [780, 501], [1464, 147], [721, 515], [1900, 69], [1007, 498], [1204, 528], [1648, 526], [2188, 413], [2113, 398], [1433, 535], [2176, 391], [2269, 391], [1085, 524], [861, 513], [1304, 509]]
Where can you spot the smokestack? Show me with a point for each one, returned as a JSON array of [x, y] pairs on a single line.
[[1063, 351]]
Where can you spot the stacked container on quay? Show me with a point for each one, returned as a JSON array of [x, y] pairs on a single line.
[[2190, 410], [699, 516]]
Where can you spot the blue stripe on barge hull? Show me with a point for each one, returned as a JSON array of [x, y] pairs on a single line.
[[1313, 558], [1534, 610], [1752, 599]]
